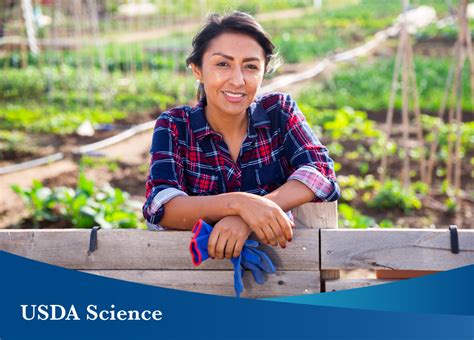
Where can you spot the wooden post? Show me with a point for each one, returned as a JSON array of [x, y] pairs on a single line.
[[322, 216]]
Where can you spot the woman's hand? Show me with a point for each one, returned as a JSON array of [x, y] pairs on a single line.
[[265, 218], [228, 237]]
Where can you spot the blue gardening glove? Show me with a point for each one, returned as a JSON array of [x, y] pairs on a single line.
[[198, 245], [257, 257], [250, 258], [254, 260], [238, 273], [258, 262]]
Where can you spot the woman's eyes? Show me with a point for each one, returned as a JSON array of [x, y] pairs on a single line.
[[249, 66], [253, 67]]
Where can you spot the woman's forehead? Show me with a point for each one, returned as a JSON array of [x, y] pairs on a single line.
[[236, 45]]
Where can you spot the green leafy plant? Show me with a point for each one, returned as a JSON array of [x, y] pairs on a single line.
[[352, 218], [341, 124], [386, 223], [95, 162], [15, 142], [392, 195], [84, 207], [352, 182]]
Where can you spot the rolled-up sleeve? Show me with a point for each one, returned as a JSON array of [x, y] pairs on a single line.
[[308, 158], [166, 179]]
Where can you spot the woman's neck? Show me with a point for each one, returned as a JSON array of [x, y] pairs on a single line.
[[228, 126]]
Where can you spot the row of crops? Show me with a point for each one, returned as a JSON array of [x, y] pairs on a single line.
[[54, 95], [61, 89]]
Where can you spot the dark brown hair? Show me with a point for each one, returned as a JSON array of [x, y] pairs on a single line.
[[236, 22]]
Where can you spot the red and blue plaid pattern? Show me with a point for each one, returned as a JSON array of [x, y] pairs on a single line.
[[190, 158]]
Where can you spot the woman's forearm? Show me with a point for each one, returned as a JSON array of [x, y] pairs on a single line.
[[182, 212], [290, 195]]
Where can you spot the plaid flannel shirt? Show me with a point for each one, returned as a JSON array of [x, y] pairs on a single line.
[[189, 158]]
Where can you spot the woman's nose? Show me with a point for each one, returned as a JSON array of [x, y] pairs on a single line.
[[237, 77]]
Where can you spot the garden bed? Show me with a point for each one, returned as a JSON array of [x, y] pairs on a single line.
[[354, 138]]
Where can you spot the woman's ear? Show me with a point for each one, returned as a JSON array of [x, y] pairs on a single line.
[[197, 72]]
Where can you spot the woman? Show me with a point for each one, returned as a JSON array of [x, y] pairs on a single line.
[[236, 160]]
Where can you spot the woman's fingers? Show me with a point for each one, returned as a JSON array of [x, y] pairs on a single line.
[[277, 230], [220, 247], [261, 236], [286, 226], [229, 249], [270, 235], [212, 242], [238, 247]]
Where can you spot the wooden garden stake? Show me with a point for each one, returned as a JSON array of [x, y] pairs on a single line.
[[405, 177], [416, 109], [79, 31], [404, 63], [389, 121], [441, 113]]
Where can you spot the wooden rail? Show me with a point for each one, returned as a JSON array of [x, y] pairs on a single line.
[[163, 259], [309, 264], [427, 250]]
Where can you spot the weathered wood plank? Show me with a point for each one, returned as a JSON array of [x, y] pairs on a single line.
[[140, 249], [408, 249], [337, 285], [283, 283], [316, 215]]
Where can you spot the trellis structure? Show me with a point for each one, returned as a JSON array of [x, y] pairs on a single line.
[[453, 97], [404, 66]]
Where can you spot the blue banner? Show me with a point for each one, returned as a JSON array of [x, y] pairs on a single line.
[[44, 301]]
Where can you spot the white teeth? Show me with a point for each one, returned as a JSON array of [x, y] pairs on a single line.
[[235, 95]]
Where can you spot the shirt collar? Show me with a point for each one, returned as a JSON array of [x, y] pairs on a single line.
[[199, 124], [258, 119]]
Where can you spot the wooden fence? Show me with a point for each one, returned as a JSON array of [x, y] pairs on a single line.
[[310, 263]]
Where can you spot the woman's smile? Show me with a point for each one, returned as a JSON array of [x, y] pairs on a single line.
[[233, 97]]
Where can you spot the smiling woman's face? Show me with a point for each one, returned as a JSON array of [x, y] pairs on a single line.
[[232, 72]]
